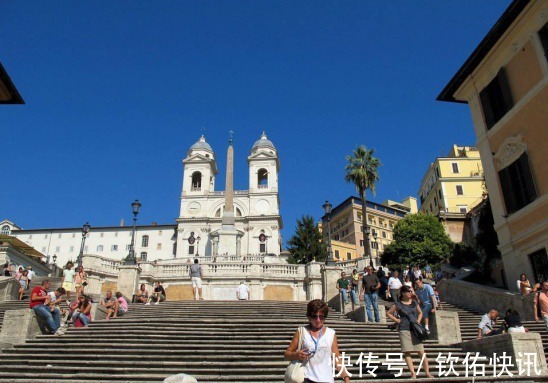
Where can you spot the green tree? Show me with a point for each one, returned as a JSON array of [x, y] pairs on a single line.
[[306, 244], [362, 171], [418, 239], [463, 255]]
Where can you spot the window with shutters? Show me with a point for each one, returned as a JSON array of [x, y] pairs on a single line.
[[496, 99], [517, 184], [144, 241]]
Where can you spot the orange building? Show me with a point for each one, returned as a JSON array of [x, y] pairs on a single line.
[[504, 84]]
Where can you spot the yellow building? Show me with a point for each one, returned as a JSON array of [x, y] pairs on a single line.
[[346, 226], [451, 187], [504, 83]]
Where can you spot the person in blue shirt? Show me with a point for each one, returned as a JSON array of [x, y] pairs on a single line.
[[427, 297]]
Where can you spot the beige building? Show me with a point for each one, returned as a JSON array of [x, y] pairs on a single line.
[[451, 187], [346, 226], [504, 83]]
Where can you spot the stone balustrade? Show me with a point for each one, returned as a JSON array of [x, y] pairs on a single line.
[[485, 298], [267, 280], [9, 289]]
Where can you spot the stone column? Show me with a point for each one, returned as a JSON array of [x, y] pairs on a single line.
[[128, 280], [359, 314], [445, 327], [229, 192], [18, 326], [519, 346], [228, 233], [330, 275], [94, 285]]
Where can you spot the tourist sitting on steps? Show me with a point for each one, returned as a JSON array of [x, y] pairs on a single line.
[[512, 321], [55, 298], [119, 308], [524, 286], [142, 294], [319, 346], [159, 294], [486, 327], [81, 317], [39, 302], [108, 300]]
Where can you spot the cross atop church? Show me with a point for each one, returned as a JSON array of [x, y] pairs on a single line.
[[231, 139]]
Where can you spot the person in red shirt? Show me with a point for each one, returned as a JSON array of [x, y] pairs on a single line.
[[39, 302]]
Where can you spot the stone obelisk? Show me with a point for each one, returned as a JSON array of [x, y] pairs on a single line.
[[228, 234]]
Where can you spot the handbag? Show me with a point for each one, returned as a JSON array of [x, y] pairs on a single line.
[[294, 373], [415, 327]]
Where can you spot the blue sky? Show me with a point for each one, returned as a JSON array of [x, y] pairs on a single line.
[[117, 91]]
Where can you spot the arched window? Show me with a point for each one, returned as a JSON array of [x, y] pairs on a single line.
[[218, 213], [144, 241], [196, 181], [262, 242], [144, 257], [6, 230], [262, 178]]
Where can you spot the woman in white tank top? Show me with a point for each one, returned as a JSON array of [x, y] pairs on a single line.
[[318, 345]]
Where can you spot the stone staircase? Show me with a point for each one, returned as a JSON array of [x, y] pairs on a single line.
[[214, 341]]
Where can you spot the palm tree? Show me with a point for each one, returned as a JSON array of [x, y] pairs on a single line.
[[362, 171]]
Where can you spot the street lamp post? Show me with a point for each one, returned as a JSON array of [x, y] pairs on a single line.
[[54, 259], [327, 208], [198, 246], [130, 259], [85, 231], [376, 247], [367, 232]]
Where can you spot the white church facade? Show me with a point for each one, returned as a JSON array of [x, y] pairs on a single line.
[[254, 222]]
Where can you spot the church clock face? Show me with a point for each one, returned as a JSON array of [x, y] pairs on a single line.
[[262, 206], [194, 207]]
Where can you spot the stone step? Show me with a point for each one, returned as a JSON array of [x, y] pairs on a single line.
[[48, 377], [216, 341]]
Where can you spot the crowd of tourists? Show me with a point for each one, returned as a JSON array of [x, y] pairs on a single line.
[[415, 299]]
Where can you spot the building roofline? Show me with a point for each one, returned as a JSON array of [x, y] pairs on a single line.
[[481, 51], [370, 204], [15, 97], [93, 228]]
